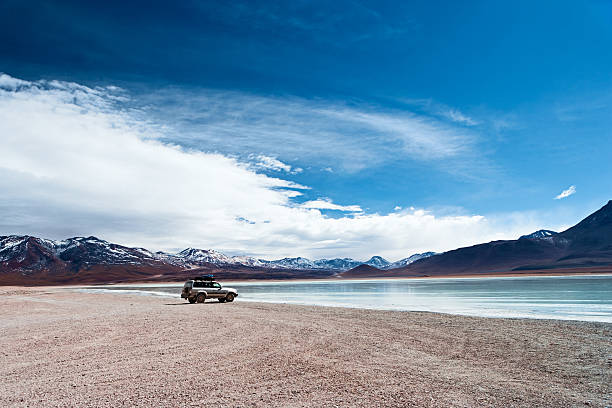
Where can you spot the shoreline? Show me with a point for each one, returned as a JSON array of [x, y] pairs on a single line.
[[112, 349], [340, 279]]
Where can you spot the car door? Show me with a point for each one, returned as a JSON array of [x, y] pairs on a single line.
[[219, 290], [213, 289]]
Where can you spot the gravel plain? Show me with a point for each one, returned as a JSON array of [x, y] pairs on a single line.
[[63, 348]]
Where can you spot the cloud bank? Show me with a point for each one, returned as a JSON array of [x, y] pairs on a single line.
[[76, 161]]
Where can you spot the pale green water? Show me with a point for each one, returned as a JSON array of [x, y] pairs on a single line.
[[568, 297]]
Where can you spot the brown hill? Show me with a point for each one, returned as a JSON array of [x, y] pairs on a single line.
[[362, 271]]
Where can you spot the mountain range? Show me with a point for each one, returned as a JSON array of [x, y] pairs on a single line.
[[196, 256], [87, 259], [585, 247]]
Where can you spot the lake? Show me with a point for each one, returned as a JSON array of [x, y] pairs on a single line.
[[587, 298]]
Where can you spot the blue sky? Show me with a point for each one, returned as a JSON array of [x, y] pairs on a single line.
[[458, 109]]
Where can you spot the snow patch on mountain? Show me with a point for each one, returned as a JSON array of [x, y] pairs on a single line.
[[540, 234], [409, 260]]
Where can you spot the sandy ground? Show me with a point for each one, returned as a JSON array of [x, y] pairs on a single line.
[[59, 348]]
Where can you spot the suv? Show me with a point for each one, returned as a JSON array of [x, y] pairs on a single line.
[[196, 290]]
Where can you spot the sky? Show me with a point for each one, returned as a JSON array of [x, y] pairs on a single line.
[[317, 129]]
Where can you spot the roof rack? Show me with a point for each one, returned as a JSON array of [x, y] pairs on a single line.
[[204, 278]]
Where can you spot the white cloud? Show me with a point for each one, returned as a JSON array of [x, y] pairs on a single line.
[[327, 204], [566, 193], [397, 208], [75, 161], [457, 116], [272, 163]]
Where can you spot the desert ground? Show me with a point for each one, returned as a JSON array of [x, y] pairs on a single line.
[[64, 348]]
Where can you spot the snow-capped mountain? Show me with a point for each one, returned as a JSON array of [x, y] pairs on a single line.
[[31, 253], [292, 263], [337, 264], [203, 255], [540, 234], [377, 262], [191, 256], [92, 250], [195, 256], [25, 251], [409, 260]]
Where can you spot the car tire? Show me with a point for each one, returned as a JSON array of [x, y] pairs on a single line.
[[230, 297], [201, 298], [191, 300]]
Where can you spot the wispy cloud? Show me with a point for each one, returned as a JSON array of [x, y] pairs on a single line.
[[327, 204], [566, 193], [442, 111], [301, 132], [456, 116]]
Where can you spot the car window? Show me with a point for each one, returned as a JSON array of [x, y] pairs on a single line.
[[216, 285], [198, 284]]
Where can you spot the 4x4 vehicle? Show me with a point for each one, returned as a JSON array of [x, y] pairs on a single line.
[[196, 290]]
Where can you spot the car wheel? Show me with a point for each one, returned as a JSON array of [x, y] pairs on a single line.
[[200, 298], [221, 300], [191, 300], [229, 297]]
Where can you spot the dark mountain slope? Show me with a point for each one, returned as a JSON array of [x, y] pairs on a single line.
[[363, 271], [594, 233]]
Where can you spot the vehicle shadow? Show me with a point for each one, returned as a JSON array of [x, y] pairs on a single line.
[[193, 304]]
